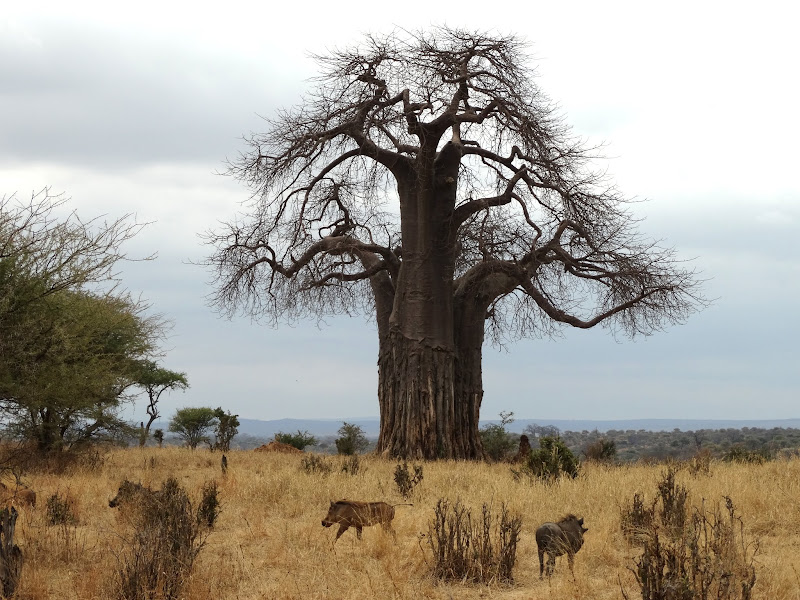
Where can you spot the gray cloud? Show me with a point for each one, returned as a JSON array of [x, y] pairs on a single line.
[[128, 120], [90, 96]]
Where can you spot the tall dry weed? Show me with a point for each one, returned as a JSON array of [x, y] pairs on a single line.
[[689, 552], [479, 550]]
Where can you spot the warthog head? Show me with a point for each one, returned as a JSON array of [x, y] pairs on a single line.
[[556, 539], [127, 492]]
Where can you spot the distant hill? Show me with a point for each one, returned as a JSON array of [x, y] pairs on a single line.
[[370, 425]]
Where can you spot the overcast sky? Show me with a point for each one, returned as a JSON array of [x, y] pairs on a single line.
[[135, 109]]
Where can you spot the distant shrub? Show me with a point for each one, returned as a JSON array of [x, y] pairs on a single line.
[[351, 439], [480, 551], [406, 482], [700, 463], [313, 463], [300, 440], [602, 450], [498, 444], [739, 454], [550, 462]]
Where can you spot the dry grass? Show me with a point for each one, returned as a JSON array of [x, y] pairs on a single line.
[[269, 543]]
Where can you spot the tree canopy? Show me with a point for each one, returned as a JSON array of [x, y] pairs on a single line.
[[428, 181], [154, 380], [192, 424], [70, 342]]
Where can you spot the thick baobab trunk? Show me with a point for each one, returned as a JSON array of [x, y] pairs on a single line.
[[430, 399], [415, 388], [469, 333], [429, 404]]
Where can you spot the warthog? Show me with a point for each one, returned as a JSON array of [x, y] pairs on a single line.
[[359, 514], [18, 495], [556, 539], [130, 492]]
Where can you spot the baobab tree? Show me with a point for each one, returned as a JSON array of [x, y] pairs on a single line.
[[427, 180]]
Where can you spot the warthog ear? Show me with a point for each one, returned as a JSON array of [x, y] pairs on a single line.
[[580, 520]]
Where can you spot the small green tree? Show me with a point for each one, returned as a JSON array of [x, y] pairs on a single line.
[[192, 424], [497, 443], [299, 440], [154, 381], [158, 435], [351, 439], [227, 427]]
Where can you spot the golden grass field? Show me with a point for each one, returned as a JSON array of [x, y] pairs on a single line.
[[269, 543]]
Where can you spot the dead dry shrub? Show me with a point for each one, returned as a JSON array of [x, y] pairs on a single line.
[[209, 508], [700, 463], [405, 481], [637, 520], [480, 551], [688, 553], [313, 463], [352, 465], [24, 457], [168, 536], [60, 510]]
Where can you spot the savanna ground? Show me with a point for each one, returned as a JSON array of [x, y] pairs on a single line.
[[268, 541]]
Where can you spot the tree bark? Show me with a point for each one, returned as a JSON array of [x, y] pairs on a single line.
[[429, 388], [10, 554], [415, 389], [469, 335]]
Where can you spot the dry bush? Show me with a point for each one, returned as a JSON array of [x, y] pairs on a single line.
[[480, 551], [689, 553], [740, 454], [167, 538], [314, 463], [700, 463], [405, 481], [601, 450], [209, 508], [352, 465], [60, 510]]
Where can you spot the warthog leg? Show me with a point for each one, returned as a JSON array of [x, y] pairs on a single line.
[[342, 529]]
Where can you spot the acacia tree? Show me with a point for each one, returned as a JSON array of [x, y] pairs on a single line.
[[76, 355], [191, 424], [69, 341], [154, 381], [427, 180], [42, 253]]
